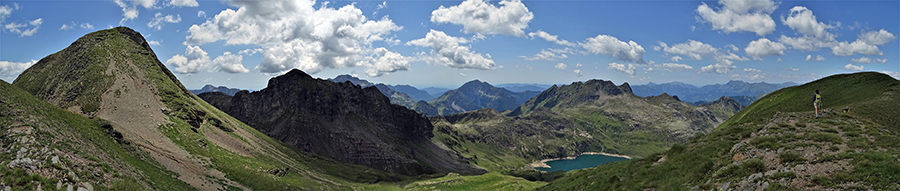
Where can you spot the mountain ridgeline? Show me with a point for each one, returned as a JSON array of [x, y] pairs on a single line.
[[778, 143], [563, 121], [743, 92], [344, 122], [120, 119], [474, 95], [403, 95], [211, 88]]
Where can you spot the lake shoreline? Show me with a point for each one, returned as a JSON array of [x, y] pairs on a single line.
[[543, 163]]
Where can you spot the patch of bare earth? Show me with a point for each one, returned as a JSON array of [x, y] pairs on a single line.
[[136, 112]]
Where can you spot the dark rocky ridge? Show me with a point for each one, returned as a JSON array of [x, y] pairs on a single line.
[[211, 88], [344, 122]]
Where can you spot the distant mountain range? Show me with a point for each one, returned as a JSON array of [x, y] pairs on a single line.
[[699, 95], [435, 91], [404, 95], [519, 87], [211, 88], [474, 95]]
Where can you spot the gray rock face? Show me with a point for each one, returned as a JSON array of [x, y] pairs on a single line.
[[346, 123]]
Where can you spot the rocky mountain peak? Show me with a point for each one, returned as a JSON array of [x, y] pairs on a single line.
[[344, 122], [475, 84], [113, 75], [608, 87], [293, 76]]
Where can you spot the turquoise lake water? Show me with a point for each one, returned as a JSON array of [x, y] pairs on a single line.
[[583, 161]]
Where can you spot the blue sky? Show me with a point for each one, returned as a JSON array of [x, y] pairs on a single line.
[[446, 43]]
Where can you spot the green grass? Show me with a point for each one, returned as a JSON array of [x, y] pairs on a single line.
[[99, 143], [702, 156], [489, 181], [790, 157], [860, 90]]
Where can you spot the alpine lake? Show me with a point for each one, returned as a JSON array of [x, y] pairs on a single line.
[[580, 162]]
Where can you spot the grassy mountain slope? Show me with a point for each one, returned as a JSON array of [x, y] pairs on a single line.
[[50, 145], [777, 144], [114, 75], [594, 116]]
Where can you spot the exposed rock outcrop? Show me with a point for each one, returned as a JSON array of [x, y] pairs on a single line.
[[347, 123]]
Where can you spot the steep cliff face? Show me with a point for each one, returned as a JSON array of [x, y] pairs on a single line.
[[347, 123]]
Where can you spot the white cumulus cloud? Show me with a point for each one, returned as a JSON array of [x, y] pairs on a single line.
[[552, 38], [295, 34], [197, 60], [230, 63], [692, 49], [671, 67], [447, 51], [858, 46], [804, 22], [158, 20], [561, 66], [10, 70], [6, 10], [194, 60], [251, 51], [129, 8], [877, 37], [550, 54], [675, 58], [627, 69], [14, 27], [764, 47], [751, 70], [854, 67], [184, 3], [740, 15], [66, 27], [867, 60], [697, 50], [478, 16], [578, 73], [817, 58], [612, 46], [721, 67], [383, 62], [815, 35]]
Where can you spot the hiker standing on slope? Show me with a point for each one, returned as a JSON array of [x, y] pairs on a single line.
[[817, 102]]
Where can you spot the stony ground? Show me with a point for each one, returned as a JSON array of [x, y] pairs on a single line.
[[798, 151], [29, 148]]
